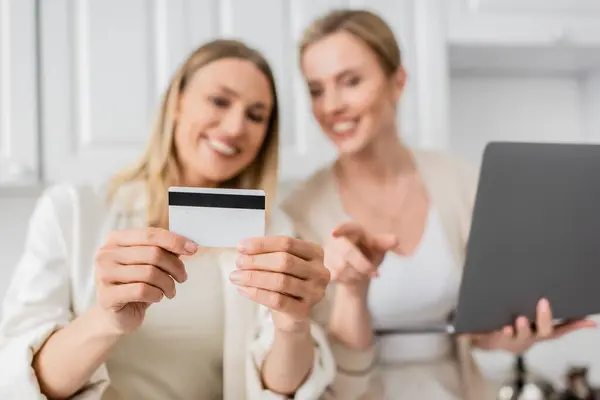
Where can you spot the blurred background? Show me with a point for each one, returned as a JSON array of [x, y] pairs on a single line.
[[79, 80]]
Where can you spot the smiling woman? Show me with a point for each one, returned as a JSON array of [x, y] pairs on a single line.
[[107, 303], [394, 222]]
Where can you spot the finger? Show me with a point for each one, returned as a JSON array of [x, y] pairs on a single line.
[[156, 256], [350, 230], [148, 274], [281, 244], [384, 242], [356, 259], [153, 237], [271, 281], [523, 330], [275, 262], [273, 300], [118, 296], [543, 319], [563, 329]]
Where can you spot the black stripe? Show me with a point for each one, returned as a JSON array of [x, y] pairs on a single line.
[[190, 199]]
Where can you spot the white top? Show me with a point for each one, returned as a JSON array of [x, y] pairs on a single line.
[[416, 291], [177, 353]]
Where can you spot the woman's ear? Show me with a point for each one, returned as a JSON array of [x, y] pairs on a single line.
[[398, 81]]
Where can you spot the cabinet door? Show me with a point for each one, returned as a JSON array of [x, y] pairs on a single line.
[[18, 94], [106, 62], [525, 22]]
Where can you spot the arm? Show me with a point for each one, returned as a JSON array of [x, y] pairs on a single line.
[[290, 360], [350, 320], [311, 383], [68, 359], [37, 304]]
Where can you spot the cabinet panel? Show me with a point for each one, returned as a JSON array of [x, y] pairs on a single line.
[[18, 93], [527, 22], [104, 65], [539, 7]]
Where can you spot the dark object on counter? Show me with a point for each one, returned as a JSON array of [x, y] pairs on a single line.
[[522, 385], [578, 386]]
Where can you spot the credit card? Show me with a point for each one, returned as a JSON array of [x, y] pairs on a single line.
[[216, 217]]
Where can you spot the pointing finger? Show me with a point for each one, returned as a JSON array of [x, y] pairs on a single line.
[[384, 242], [350, 230]]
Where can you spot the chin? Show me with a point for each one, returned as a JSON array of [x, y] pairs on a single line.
[[350, 146]]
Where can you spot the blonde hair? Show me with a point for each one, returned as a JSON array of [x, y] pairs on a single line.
[[364, 25], [159, 167]]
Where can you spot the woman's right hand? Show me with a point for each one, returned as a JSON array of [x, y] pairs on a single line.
[[136, 268], [353, 255]]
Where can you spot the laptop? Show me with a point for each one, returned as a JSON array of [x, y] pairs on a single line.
[[535, 233]]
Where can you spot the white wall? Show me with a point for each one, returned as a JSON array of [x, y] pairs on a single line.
[[502, 106], [590, 90]]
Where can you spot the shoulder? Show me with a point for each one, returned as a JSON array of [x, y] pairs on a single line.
[[308, 192], [63, 199], [445, 166], [443, 160]]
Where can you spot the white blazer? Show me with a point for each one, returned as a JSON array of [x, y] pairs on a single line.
[[54, 282]]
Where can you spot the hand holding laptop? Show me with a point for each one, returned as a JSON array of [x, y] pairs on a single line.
[[521, 337]]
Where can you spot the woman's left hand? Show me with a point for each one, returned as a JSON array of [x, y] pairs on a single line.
[[523, 338], [286, 275]]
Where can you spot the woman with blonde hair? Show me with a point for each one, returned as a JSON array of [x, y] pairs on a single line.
[[107, 303], [394, 224]]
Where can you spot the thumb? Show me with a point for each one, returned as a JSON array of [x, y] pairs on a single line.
[[385, 242]]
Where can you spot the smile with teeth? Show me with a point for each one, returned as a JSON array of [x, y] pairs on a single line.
[[221, 147], [344, 127]]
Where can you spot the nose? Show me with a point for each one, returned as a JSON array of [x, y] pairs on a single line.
[[232, 123], [332, 102]]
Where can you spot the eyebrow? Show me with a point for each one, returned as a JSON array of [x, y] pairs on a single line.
[[339, 75], [231, 92]]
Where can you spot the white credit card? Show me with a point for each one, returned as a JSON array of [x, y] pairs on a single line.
[[216, 217]]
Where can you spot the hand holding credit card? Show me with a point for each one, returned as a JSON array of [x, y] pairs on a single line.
[[216, 217], [285, 274]]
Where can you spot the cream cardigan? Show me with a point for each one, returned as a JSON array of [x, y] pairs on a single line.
[[314, 209], [54, 282]]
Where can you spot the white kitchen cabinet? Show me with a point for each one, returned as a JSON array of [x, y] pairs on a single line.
[[104, 64], [525, 22], [18, 94]]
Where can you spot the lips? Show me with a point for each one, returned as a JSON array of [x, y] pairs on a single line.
[[221, 147]]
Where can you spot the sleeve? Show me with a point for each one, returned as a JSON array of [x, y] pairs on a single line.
[[354, 371], [317, 384], [322, 375], [37, 303]]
